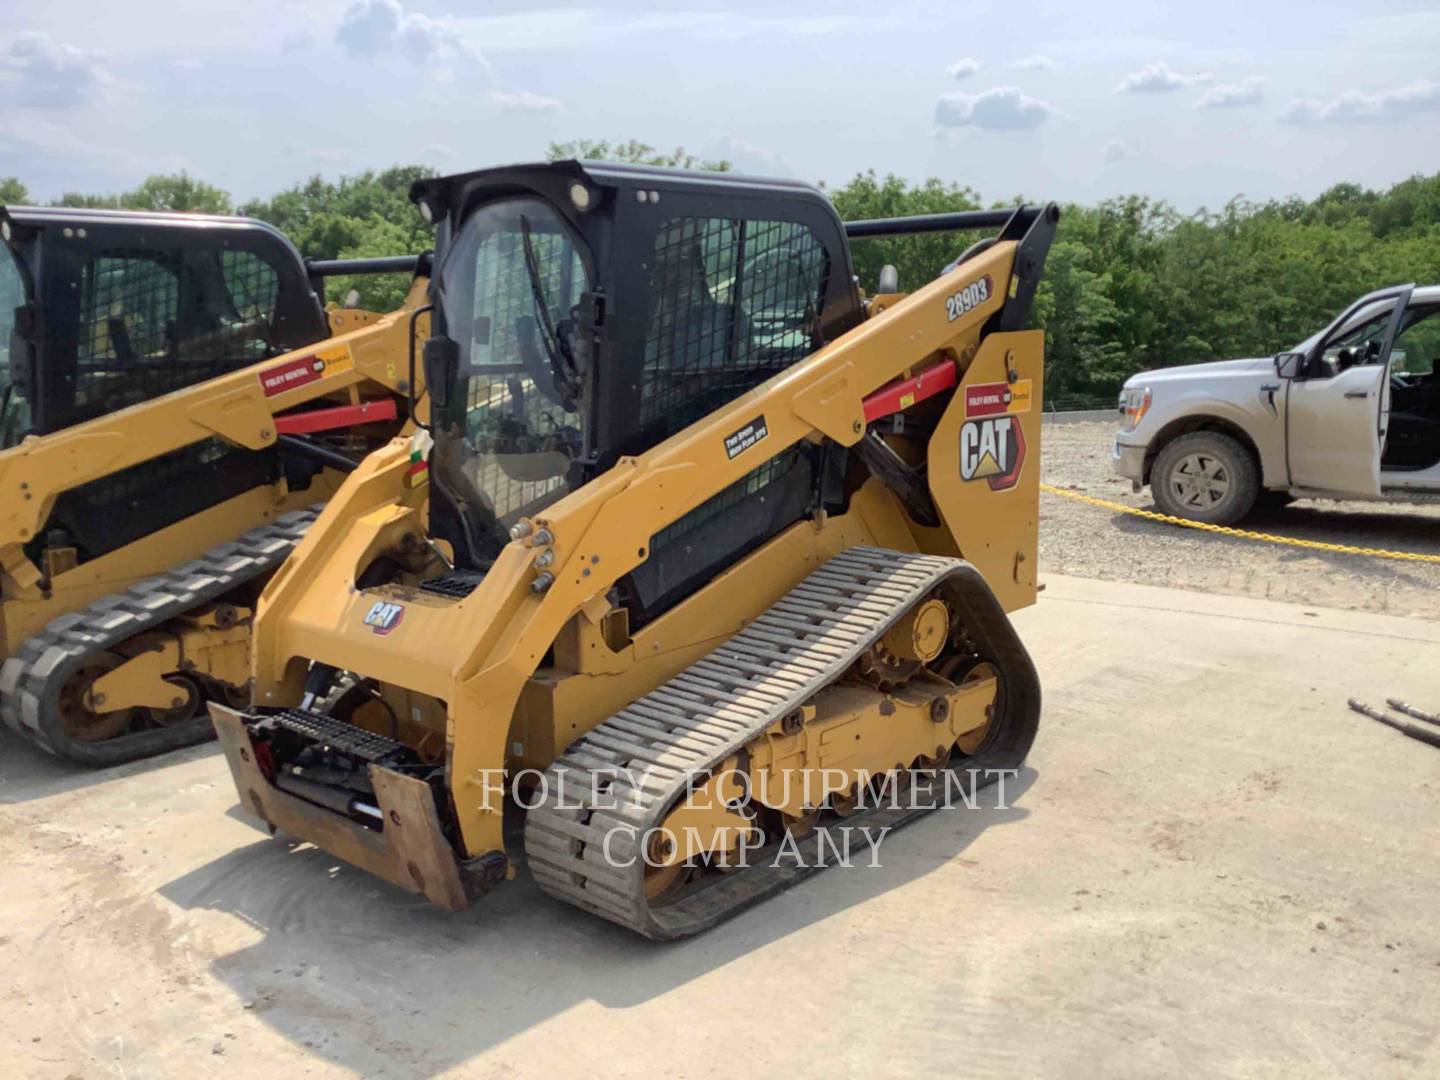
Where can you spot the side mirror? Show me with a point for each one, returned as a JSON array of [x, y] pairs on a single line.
[[1288, 364], [22, 350], [442, 360]]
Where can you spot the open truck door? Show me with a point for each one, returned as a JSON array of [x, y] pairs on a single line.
[[1338, 402]]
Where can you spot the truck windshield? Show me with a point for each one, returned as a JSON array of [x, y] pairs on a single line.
[[509, 289], [14, 409]]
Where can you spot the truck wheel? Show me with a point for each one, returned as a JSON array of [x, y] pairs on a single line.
[[1205, 476]]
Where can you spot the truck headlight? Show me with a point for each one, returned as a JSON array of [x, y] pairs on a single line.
[[1134, 404]]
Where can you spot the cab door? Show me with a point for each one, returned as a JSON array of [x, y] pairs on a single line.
[[1335, 415]]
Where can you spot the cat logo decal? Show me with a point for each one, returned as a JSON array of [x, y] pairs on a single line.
[[384, 616], [992, 450]]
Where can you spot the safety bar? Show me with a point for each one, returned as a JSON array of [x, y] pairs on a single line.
[[387, 264], [927, 223]]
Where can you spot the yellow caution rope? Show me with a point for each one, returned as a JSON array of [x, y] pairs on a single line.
[[1243, 534]]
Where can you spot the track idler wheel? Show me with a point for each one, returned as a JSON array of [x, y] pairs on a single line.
[[82, 714], [661, 879], [964, 670], [188, 699], [916, 639]]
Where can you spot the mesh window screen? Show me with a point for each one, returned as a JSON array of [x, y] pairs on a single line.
[[253, 286], [780, 467], [127, 487], [520, 413], [732, 302], [127, 312], [150, 323], [117, 509]]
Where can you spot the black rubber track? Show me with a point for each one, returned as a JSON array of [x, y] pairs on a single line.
[[31, 679], [695, 721]]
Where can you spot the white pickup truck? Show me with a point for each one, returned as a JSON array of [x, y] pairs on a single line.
[[1352, 412]]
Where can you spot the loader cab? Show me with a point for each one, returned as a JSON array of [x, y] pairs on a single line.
[[101, 309], [104, 309], [589, 311]]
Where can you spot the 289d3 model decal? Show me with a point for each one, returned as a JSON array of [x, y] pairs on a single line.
[[968, 298]]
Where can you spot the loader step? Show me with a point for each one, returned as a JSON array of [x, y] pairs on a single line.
[[455, 585], [592, 816]]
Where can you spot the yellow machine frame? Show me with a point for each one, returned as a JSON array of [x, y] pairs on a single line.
[[477, 662], [364, 357]]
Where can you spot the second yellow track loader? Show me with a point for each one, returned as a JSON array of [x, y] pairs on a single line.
[[175, 403], [709, 553]]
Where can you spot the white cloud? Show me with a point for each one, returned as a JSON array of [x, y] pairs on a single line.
[[380, 27], [1115, 150], [1036, 62], [1359, 107], [730, 25], [46, 74], [28, 138], [1302, 111], [749, 158], [1003, 108], [1157, 79], [1233, 95], [589, 27], [523, 101], [963, 69]]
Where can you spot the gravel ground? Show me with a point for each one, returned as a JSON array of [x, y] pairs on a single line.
[[1084, 540]]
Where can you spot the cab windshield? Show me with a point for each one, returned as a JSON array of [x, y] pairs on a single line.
[[14, 409], [511, 284]]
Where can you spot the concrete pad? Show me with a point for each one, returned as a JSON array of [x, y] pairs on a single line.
[[1211, 867]]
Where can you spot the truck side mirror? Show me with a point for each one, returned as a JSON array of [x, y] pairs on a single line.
[[1288, 364]]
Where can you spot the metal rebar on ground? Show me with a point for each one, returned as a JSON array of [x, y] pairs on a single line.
[[1415, 731], [1411, 710]]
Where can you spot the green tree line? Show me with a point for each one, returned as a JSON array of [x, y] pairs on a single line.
[[1131, 283]]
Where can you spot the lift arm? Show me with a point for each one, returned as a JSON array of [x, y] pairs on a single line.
[[246, 407]]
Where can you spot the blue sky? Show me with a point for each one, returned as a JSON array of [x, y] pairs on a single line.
[[1191, 103]]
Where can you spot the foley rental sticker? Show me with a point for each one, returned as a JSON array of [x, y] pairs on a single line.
[[746, 437], [306, 369], [997, 398]]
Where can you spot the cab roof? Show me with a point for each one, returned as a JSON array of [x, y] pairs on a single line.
[[39, 218], [446, 193]]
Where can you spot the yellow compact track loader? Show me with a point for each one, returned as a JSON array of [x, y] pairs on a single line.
[[175, 403], [709, 552]]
